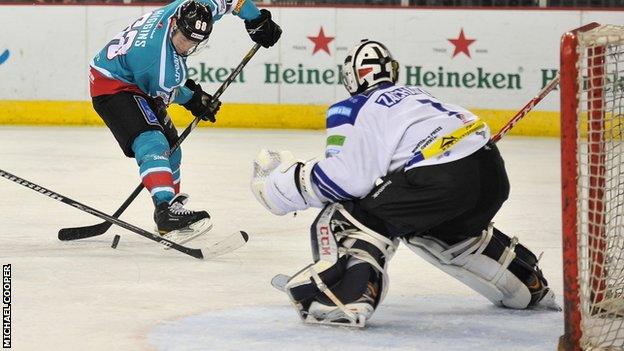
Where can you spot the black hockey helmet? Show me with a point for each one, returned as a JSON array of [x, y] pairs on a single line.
[[194, 21]]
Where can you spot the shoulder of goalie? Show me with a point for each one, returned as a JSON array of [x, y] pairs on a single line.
[[494, 265], [349, 278], [282, 183]]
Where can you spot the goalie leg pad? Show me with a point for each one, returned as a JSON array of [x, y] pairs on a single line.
[[349, 278], [494, 265]]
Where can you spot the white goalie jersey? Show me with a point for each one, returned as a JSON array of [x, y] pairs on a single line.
[[369, 136], [375, 134]]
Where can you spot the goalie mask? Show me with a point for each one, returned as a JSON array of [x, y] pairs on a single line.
[[367, 65], [194, 21]]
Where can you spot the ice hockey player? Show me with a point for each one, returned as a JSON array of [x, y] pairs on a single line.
[[141, 71], [400, 165]]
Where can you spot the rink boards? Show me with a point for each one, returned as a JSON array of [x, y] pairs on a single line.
[[234, 115], [486, 60]]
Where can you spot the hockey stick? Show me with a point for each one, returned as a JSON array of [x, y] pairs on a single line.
[[526, 109], [216, 249], [445, 142], [66, 234]]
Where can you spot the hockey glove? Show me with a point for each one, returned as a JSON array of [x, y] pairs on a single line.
[[282, 183], [263, 30], [201, 104]]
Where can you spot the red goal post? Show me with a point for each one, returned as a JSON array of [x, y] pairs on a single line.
[[592, 171]]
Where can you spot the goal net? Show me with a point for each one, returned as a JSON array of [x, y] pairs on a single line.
[[592, 126]]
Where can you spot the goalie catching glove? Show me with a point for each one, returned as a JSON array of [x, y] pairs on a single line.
[[201, 104], [282, 183]]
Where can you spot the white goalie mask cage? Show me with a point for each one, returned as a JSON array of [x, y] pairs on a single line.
[[367, 65]]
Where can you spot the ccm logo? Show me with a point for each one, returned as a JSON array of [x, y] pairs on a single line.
[[325, 245]]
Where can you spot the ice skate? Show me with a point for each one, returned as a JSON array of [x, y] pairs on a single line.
[[178, 224], [354, 314], [542, 297]]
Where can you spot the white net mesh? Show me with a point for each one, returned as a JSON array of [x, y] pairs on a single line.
[[601, 187]]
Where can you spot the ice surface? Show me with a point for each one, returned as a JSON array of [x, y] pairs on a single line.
[[84, 295], [416, 323]]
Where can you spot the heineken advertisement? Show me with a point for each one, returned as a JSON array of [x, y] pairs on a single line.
[[480, 59], [276, 73]]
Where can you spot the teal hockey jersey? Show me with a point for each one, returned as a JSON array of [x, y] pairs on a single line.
[[143, 59]]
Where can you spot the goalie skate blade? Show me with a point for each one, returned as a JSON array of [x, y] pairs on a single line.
[[279, 282], [229, 244], [360, 323], [185, 235], [548, 303]]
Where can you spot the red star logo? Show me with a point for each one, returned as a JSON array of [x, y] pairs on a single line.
[[461, 44], [320, 42]]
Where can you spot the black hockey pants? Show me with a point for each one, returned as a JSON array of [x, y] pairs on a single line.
[[450, 201]]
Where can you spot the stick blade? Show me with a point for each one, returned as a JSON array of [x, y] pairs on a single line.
[[184, 236], [279, 282], [229, 244], [68, 234]]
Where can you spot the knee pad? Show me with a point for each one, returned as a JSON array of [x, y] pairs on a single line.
[[151, 146], [151, 151], [174, 160], [349, 276], [494, 265]]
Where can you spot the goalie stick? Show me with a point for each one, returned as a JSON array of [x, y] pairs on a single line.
[[527, 108], [75, 233], [228, 244], [449, 140], [279, 282]]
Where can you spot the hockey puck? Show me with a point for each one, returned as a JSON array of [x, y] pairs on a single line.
[[115, 241]]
